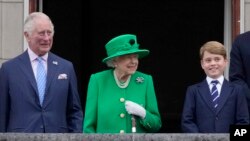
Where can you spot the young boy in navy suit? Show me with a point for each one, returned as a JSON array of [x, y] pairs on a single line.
[[214, 104]]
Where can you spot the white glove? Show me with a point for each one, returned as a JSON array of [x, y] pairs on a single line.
[[135, 109]]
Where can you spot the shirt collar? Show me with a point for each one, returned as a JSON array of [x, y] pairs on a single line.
[[220, 79], [33, 56]]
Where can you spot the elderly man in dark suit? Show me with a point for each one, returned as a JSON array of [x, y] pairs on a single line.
[[38, 89]]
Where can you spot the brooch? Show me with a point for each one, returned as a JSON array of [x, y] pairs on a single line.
[[139, 79]]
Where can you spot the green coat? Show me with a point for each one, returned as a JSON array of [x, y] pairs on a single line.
[[105, 106]]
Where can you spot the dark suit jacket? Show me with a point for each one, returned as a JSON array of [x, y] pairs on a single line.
[[199, 116], [239, 70], [20, 110]]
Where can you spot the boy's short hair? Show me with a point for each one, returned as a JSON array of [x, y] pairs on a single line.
[[213, 47]]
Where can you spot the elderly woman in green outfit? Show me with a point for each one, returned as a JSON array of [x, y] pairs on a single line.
[[117, 95]]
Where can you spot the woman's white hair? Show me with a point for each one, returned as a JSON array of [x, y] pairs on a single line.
[[110, 63]]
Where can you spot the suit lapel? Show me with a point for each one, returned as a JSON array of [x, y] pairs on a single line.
[[226, 90], [52, 69], [25, 65], [205, 94]]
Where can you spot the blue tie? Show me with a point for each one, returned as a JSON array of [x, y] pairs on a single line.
[[41, 79], [215, 93]]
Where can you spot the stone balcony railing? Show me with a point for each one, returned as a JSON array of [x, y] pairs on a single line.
[[113, 137]]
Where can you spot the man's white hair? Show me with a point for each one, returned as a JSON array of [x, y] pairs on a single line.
[[30, 21]]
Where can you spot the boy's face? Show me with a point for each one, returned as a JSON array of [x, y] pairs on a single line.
[[213, 64]]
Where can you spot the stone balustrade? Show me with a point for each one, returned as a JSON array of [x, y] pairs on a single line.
[[113, 137]]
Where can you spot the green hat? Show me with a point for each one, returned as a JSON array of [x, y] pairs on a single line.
[[122, 45]]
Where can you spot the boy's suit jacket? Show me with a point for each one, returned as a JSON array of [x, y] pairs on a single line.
[[199, 116], [20, 110]]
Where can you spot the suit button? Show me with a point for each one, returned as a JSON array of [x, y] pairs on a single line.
[[41, 126], [121, 131], [122, 99], [122, 115]]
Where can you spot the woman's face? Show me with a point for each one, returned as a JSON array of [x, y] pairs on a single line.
[[126, 64]]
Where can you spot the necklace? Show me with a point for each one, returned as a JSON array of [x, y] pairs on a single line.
[[122, 84]]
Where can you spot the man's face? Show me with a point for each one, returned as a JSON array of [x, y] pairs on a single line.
[[40, 39]]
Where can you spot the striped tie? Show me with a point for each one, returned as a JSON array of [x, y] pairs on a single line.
[[41, 79], [215, 93]]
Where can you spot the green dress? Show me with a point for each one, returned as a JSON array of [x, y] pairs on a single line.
[[105, 105]]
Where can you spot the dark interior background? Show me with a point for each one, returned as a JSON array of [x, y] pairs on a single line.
[[172, 30]]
